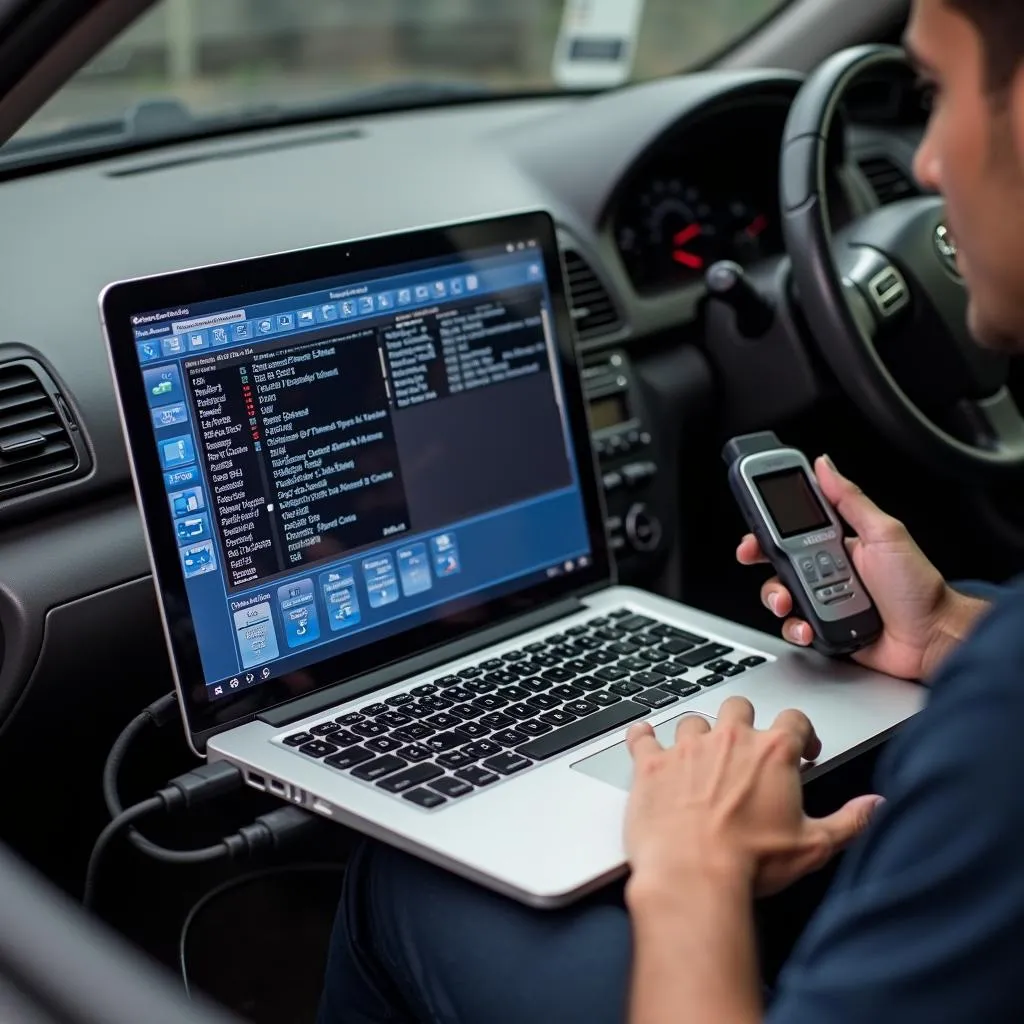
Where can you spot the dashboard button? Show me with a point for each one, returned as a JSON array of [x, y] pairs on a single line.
[[643, 529], [612, 481]]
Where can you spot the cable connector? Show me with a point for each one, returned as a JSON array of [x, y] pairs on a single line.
[[271, 831], [207, 782]]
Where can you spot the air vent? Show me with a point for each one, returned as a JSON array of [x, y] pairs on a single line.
[[888, 181], [35, 439], [592, 307]]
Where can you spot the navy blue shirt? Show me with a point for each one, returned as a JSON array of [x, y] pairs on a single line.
[[925, 921]]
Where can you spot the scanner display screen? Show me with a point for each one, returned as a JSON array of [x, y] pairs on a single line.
[[792, 504]]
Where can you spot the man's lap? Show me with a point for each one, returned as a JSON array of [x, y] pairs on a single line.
[[429, 946]]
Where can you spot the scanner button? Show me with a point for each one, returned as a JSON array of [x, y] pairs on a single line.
[[841, 563], [825, 594], [826, 565], [808, 569]]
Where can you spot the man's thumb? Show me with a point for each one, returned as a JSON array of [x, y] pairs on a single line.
[[867, 519], [849, 821]]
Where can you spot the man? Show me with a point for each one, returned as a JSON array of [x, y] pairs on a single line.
[[925, 919]]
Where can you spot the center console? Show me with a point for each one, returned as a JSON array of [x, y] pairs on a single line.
[[627, 451]]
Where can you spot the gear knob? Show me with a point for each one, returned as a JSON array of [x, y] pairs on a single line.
[[728, 282]]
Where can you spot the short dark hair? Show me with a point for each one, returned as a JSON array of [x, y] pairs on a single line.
[[1001, 24]]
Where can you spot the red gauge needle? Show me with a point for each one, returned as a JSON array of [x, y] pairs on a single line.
[[757, 226], [680, 255]]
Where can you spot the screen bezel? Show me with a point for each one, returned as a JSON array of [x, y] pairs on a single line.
[[120, 301], [795, 470]]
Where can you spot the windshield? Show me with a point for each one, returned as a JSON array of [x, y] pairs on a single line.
[[186, 60]]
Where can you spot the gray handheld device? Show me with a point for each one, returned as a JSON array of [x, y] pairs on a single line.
[[802, 536]]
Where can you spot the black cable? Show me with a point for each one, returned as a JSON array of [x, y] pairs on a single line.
[[220, 890], [125, 818]]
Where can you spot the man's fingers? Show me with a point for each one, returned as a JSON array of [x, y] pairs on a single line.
[[841, 828], [736, 711], [749, 552], [798, 632], [798, 725], [776, 598], [692, 725], [641, 741]]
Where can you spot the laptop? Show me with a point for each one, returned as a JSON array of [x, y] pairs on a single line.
[[377, 538]]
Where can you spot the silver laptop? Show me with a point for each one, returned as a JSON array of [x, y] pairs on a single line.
[[378, 542]]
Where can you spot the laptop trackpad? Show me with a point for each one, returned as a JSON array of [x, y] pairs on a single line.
[[615, 766]]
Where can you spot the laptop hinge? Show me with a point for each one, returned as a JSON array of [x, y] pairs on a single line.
[[341, 692]]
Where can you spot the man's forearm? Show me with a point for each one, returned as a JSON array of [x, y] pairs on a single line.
[[695, 956]]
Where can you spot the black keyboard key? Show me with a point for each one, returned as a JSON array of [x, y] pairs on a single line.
[[509, 737], [443, 720], [582, 730], [325, 728], [451, 788], [577, 666], [435, 703], [534, 727], [445, 681], [414, 776], [680, 687], [481, 686], [557, 675], [576, 631], [443, 742], [465, 712], [719, 665], [732, 670], [371, 771], [374, 709], [646, 679], [635, 623], [459, 693], [711, 680], [588, 683], [642, 640], [675, 633], [411, 733], [674, 647], [558, 717], [424, 690], [625, 688], [497, 720], [473, 730], [652, 657], [454, 759], [520, 712], [566, 692], [624, 649], [502, 678], [581, 708], [508, 763], [586, 643], [318, 748], [383, 744], [482, 748], [611, 635], [672, 668], [349, 758], [656, 698], [753, 661], [511, 656], [536, 685], [704, 654], [544, 702], [416, 711], [393, 719], [633, 665], [490, 702], [425, 798], [556, 638], [416, 752], [611, 673], [477, 776], [599, 657], [513, 693], [350, 718], [298, 738], [542, 661], [520, 669], [619, 613], [398, 700], [491, 664], [603, 700], [535, 648], [472, 672], [369, 728], [598, 623], [344, 738]]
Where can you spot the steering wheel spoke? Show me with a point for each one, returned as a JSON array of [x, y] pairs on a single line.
[[994, 424]]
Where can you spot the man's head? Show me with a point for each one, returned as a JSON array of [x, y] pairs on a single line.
[[972, 53]]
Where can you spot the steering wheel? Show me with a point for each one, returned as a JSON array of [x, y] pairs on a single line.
[[885, 300]]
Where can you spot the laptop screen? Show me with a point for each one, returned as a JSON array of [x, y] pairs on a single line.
[[345, 460]]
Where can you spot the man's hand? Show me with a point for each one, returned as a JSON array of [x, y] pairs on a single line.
[[924, 618], [725, 803]]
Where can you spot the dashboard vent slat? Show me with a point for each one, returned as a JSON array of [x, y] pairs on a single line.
[[35, 443], [888, 181], [593, 311]]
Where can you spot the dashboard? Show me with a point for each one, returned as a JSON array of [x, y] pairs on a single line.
[[648, 185]]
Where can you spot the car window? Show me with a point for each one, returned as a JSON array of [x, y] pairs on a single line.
[[188, 59]]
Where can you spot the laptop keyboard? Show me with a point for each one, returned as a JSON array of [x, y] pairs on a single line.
[[442, 740]]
